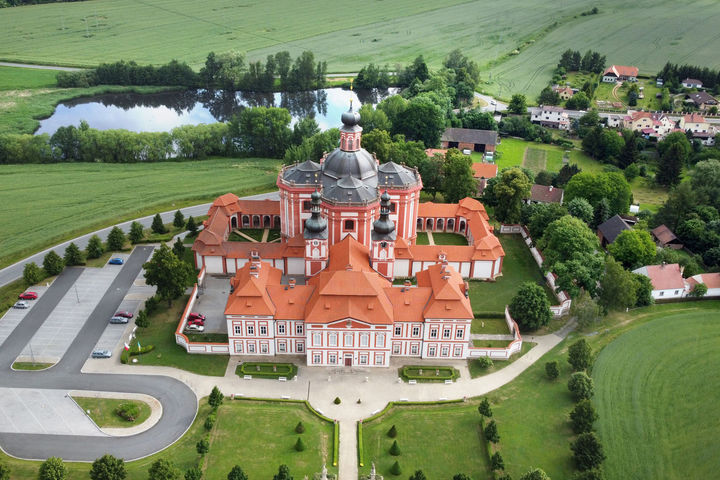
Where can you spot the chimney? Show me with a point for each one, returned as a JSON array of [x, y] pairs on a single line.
[[550, 188], [467, 290], [348, 267], [291, 282]]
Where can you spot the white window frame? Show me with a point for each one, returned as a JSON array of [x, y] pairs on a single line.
[[251, 348], [379, 359], [237, 329], [444, 351], [281, 329], [348, 340], [299, 329], [264, 348], [317, 339], [460, 333], [364, 359], [282, 348], [397, 348], [263, 330], [432, 350], [364, 340], [238, 347], [458, 350], [398, 330], [416, 331], [300, 347], [433, 332], [332, 358], [414, 350], [317, 358], [380, 340], [251, 329], [333, 340], [447, 332]]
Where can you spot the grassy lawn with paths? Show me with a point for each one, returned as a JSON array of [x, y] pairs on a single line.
[[477, 371], [102, 411]]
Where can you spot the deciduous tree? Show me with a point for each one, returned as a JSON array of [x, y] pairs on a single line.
[[551, 370], [136, 232], [583, 416], [509, 191], [580, 208], [580, 355], [633, 248], [587, 451], [237, 473], [32, 273], [458, 177], [4, 471], [535, 474], [585, 309], [193, 473], [530, 307], [108, 467], [617, 287], [162, 469], [581, 386], [564, 239], [518, 104], [168, 273], [52, 469]]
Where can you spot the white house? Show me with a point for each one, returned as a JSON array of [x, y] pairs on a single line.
[[711, 281], [667, 280], [699, 127], [620, 73], [551, 116], [692, 83]]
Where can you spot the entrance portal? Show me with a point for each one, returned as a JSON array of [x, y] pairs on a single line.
[[348, 361]]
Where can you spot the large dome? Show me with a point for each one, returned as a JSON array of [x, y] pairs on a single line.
[[360, 164]]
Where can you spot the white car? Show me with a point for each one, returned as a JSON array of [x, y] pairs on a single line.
[[119, 319], [21, 304], [194, 328]]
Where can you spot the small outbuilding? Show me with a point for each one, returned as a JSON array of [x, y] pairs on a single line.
[[665, 238], [469, 138], [482, 172], [609, 230], [666, 279]]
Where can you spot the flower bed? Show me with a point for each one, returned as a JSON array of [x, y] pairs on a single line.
[[428, 373], [267, 370]]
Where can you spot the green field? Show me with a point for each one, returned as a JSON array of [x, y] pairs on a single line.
[[102, 411], [657, 418], [45, 204], [260, 436], [518, 267], [20, 78], [440, 440], [539, 156]]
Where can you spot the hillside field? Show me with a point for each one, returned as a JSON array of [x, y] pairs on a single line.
[[349, 35], [656, 418], [45, 204]]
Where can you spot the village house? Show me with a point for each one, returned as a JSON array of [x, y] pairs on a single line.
[[699, 127], [545, 194], [470, 139], [710, 280], [620, 73], [551, 117], [702, 100], [348, 227], [565, 92], [609, 230], [667, 280], [692, 83], [650, 124], [482, 172]]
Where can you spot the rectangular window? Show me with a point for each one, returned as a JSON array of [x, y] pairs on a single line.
[[317, 358], [251, 348], [300, 347], [415, 331], [396, 349], [349, 225], [393, 207], [445, 351], [662, 293], [379, 359], [238, 330], [281, 347], [380, 340], [317, 339], [348, 339], [459, 333], [251, 330], [332, 339], [332, 359], [306, 205], [238, 347], [263, 330], [413, 349], [398, 331], [263, 348], [447, 332], [433, 332], [364, 340], [458, 351], [363, 359], [281, 329], [431, 351], [299, 329]]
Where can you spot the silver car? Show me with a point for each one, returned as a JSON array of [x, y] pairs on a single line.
[[21, 304], [118, 319], [99, 353]]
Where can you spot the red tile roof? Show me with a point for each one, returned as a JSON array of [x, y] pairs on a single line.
[[448, 299], [665, 277], [621, 71], [711, 280], [693, 118], [484, 170]]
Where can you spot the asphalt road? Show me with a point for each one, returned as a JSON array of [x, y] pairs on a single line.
[[178, 400], [15, 271]]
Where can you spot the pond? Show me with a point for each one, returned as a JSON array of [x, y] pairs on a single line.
[[161, 112]]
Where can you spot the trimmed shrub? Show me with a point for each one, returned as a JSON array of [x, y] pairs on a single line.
[[581, 386], [551, 370], [193, 473], [580, 355], [394, 449], [395, 469], [337, 401], [300, 428], [52, 469], [210, 421], [484, 362], [299, 445], [587, 451], [484, 408], [392, 433], [134, 350], [53, 264], [128, 411], [203, 446]]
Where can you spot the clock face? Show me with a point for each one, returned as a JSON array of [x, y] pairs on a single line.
[[315, 243]]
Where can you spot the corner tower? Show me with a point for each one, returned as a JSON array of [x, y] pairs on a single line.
[[382, 251], [316, 238]]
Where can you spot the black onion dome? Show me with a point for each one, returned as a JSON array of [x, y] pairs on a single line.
[[383, 227], [316, 225], [351, 117]]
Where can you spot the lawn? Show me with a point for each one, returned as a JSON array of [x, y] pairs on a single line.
[[422, 239], [490, 326], [648, 194], [31, 366], [260, 436], [477, 371], [535, 159], [20, 78], [440, 440], [102, 411], [518, 267], [655, 420], [81, 197], [446, 238], [538, 156], [161, 334]]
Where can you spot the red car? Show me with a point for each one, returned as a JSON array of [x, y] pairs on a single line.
[[28, 296], [196, 321], [193, 316], [124, 314]]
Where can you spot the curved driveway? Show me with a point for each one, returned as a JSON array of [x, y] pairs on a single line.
[[178, 400]]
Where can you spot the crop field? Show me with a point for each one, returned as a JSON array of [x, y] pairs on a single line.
[[43, 204], [656, 418]]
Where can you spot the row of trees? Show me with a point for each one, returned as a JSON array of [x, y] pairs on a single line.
[[130, 73], [674, 74], [574, 61]]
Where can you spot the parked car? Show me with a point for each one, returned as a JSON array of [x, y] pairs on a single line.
[[99, 353], [119, 320], [21, 304], [28, 296], [194, 316], [123, 313], [194, 328], [116, 261], [195, 321]]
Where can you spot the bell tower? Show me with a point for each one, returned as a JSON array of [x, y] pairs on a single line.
[[316, 238], [382, 251]]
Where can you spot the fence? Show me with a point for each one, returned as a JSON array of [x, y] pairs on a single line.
[[562, 296], [501, 353], [182, 340]]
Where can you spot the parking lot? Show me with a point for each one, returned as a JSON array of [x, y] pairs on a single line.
[[14, 316], [212, 303], [53, 338]]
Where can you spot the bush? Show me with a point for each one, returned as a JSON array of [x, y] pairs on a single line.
[[699, 290], [551, 370], [4, 471], [32, 273], [594, 474], [583, 416], [587, 451], [581, 386], [128, 411], [142, 320], [210, 421], [497, 462], [106, 467], [395, 469], [193, 473], [484, 362], [337, 401], [203, 446], [162, 469], [300, 428], [299, 445], [134, 350], [53, 264], [52, 469], [394, 449], [484, 408], [580, 355], [237, 473]]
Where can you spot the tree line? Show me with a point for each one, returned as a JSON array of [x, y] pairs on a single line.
[[574, 61], [19, 3], [673, 75], [228, 70]]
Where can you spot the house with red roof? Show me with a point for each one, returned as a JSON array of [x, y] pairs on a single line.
[[667, 280], [710, 280], [620, 73], [650, 124], [482, 172], [348, 227]]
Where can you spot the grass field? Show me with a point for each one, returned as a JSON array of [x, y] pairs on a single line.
[[45, 204], [477, 371], [447, 238], [102, 411], [20, 78], [655, 420], [260, 436], [440, 440], [518, 267], [538, 156]]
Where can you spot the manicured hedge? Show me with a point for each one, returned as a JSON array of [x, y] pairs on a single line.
[[287, 370], [126, 354], [408, 372], [360, 447], [336, 443]]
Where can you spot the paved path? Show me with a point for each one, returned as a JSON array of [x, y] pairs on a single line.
[[14, 271], [39, 67]]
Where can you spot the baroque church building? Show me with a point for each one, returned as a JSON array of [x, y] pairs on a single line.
[[348, 227]]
